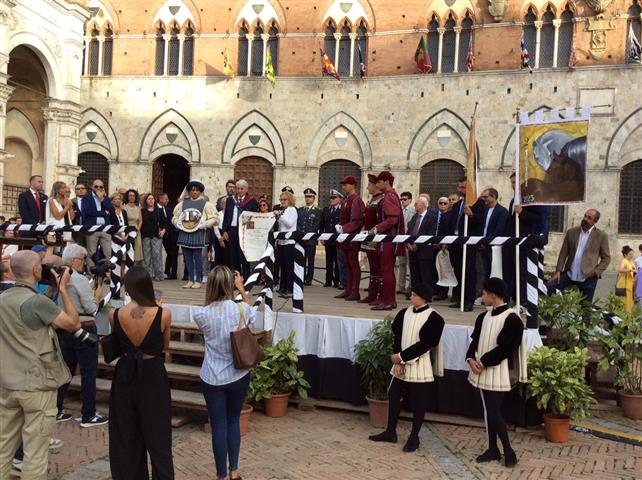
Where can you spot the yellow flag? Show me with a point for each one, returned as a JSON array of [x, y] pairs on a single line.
[[471, 167], [228, 68], [269, 67]]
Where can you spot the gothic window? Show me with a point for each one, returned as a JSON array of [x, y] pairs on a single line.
[[547, 40], [257, 52], [556, 218], [108, 51], [331, 173], [465, 36], [448, 54], [94, 53], [634, 23], [159, 66], [94, 166], [361, 43], [173, 50], [630, 214], [565, 38], [439, 178], [330, 41], [243, 52], [433, 42], [344, 52], [188, 52], [530, 35], [273, 43]]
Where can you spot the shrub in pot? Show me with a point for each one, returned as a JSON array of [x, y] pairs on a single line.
[[372, 354], [556, 381], [569, 319], [277, 377]]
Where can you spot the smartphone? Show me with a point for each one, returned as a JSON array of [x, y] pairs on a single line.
[[158, 294]]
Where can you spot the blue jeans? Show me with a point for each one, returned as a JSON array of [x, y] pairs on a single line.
[[193, 258], [77, 353], [587, 287], [224, 403]]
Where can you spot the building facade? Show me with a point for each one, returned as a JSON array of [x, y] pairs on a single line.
[[136, 93]]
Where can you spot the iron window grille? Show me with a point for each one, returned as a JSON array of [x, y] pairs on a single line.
[[630, 213], [94, 166], [448, 55]]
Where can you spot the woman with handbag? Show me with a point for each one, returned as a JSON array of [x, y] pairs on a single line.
[[224, 386], [140, 403], [626, 278]]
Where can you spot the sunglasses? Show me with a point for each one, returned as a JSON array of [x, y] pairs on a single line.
[[332, 197], [99, 187], [444, 203], [405, 199]]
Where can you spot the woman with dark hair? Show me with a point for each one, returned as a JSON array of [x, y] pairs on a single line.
[[134, 219], [626, 277], [152, 231], [140, 402]]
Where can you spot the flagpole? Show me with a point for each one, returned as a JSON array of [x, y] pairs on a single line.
[[517, 201]]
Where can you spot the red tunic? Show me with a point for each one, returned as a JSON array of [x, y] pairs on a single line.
[[351, 218], [390, 217]]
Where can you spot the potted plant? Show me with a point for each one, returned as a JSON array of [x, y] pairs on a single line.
[[277, 377], [372, 354], [568, 317], [556, 381], [622, 348], [244, 422]]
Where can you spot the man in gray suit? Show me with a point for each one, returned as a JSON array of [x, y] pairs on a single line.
[[583, 257]]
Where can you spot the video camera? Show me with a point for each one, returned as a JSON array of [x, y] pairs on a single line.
[[102, 268], [48, 277]]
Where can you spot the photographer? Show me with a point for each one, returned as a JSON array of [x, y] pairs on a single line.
[[32, 368], [75, 350]]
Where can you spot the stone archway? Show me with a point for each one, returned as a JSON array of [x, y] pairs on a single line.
[[354, 129], [170, 174], [170, 133]]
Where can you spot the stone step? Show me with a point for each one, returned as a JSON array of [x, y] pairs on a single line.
[[175, 371]]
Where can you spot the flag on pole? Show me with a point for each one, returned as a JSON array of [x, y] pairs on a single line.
[[228, 68], [328, 68], [470, 58], [422, 58], [572, 59], [526, 58], [635, 49], [471, 165], [362, 65], [269, 67]]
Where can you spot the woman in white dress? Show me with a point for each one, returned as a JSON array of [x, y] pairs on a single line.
[[287, 217], [134, 219], [60, 210]]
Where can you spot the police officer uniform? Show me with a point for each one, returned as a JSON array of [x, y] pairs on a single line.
[[309, 221]]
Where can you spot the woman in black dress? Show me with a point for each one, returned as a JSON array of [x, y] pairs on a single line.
[[140, 401]]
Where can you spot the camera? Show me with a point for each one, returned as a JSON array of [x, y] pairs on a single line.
[[102, 268], [48, 277], [86, 337]]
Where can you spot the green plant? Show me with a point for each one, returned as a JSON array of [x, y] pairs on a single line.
[[278, 372], [372, 354], [556, 381], [569, 317]]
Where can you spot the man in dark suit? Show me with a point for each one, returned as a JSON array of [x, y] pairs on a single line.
[[32, 203], [170, 238], [308, 221], [495, 218], [421, 256], [329, 219], [96, 209], [241, 202], [583, 257]]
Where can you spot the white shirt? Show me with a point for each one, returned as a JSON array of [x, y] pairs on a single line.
[[488, 215], [287, 223], [638, 263], [235, 212], [575, 272]]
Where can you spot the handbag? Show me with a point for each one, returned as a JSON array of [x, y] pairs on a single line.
[[246, 351], [111, 347], [620, 292]]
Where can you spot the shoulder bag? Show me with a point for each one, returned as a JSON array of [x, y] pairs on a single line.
[[621, 292], [246, 351]]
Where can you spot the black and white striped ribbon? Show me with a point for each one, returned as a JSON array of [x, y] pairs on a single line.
[[532, 286]]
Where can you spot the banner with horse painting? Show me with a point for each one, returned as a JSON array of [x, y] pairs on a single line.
[[551, 157]]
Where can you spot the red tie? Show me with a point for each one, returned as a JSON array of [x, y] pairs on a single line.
[[38, 205]]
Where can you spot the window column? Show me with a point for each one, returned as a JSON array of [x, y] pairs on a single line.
[[166, 38], [457, 34], [353, 37], [337, 39], [538, 37], [556, 39], [441, 32], [101, 41], [265, 37], [250, 39], [85, 69], [181, 40]]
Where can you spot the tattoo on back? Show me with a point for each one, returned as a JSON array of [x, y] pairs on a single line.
[[138, 312]]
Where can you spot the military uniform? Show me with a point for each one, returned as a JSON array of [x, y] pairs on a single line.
[[309, 221], [329, 218]]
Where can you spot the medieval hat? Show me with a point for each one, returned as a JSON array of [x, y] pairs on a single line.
[[372, 178], [497, 286], [385, 176], [350, 180], [195, 183], [422, 290]]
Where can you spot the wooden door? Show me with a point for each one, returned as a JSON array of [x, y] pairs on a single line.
[[259, 175], [331, 173], [439, 178]]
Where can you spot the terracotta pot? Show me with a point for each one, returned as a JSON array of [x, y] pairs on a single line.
[[378, 412], [557, 427], [245, 418], [631, 405], [277, 406]]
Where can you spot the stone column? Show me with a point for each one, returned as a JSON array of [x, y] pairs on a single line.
[[556, 25], [166, 38], [441, 32], [101, 41], [5, 93], [85, 67], [538, 37], [249, 55], [353, 37], [62, 121], [181, 39], [457, 35], [265, 37], [337, 39]]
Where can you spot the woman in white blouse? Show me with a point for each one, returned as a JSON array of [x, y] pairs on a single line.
[[287, 217], [60, 211], [224, 387]]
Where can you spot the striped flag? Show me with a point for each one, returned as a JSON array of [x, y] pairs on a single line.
[[228, 68], [526, 58], [470, 58], [269, 67], [328, 68], [362, 65], [635, 49]]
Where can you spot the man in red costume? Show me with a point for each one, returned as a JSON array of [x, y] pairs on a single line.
[[371, 249], [390, 220], [352, 210]]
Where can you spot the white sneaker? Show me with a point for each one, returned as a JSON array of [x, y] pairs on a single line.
[[95, 421], [478, 301], [55, 443], [188, 285], [196, 285]]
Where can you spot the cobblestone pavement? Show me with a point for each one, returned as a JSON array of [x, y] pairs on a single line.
[[326, 445]]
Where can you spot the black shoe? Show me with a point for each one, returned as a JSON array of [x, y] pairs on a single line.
[[488, 456], [510, 458], [468, 308], [326, 284], [453, 305], [307, 284], [171, 277], [439, 298], [411, 445], [384, 437]]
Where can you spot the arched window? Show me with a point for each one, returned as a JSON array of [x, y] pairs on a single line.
[[464, 42], [94, 53], [630, 214], [108, 51], [331, 173], [547, 40], [173, 51], [243, 51], [329, 42], [188, 51], [273, 43], [159, 65], [439, 178], [530, 35], [360, 44], [344, 52], [94, 166], [633, 24], [257, 52], [448, 55], [565, 38], [433, 42]]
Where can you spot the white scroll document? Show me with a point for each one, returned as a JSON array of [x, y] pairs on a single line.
[[253, 233], [445, 270]]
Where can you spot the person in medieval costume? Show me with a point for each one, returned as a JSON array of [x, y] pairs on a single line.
[[193, 217], [369, 221]]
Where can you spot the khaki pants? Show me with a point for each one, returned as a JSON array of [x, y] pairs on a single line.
[[102, 238], [30, 417]]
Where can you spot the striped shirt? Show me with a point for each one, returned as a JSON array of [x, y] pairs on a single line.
[[216, 321]]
